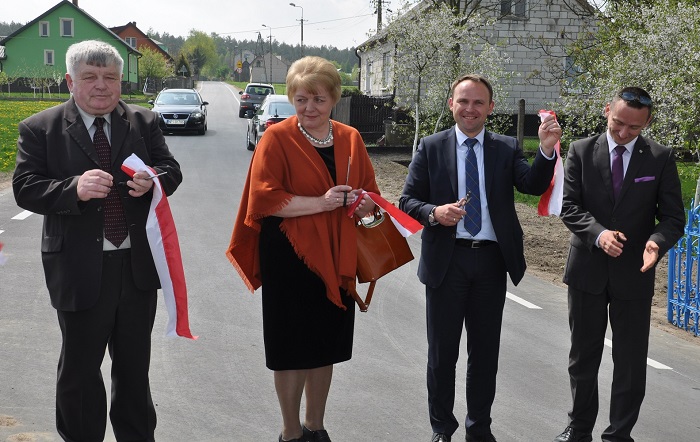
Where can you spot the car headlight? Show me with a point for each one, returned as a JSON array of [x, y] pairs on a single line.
[[196, 115]]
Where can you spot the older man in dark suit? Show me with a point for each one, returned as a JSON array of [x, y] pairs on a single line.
[[460, 185], [98, 266], [617, 186]]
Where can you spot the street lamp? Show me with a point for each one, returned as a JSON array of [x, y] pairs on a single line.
[[266, 26], [302, 26]]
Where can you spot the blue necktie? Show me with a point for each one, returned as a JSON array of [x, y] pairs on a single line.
[[472, 220]]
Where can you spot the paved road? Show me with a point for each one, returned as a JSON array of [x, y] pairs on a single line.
[[218, 389]]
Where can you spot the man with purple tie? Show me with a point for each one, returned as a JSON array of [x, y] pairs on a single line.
[[623, 205], [460, 186]]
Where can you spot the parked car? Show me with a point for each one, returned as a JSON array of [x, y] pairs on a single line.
[[252, 97], [180, 110], [273, 109]]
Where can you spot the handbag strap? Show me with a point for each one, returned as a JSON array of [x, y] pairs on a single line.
[[364, 305]]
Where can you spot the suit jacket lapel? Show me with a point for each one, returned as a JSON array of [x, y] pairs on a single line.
[[449, 152], [120, 129], [75, 127], [601, 159], [639, 154], [490, 158]]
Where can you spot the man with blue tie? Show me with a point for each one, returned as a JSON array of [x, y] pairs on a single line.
[[460, 186], [623, 205]]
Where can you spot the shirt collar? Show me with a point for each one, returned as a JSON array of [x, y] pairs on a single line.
[[89, 119], [612, 144], [461, 136]]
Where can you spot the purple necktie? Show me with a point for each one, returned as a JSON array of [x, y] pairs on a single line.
[[115, 221], [618, 172], [472, 220]]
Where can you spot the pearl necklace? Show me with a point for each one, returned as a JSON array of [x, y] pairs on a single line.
[[313, 139]]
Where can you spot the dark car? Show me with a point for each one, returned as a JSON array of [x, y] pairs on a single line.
[[180, 110], [273, 109], [252, 97]]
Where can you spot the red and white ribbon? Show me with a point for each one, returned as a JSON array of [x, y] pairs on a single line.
[[406, 225], [551, 200], [3, 258], [165, 248]]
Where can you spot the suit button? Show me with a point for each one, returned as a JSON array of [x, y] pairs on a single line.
[[99, 239], [99, 209]]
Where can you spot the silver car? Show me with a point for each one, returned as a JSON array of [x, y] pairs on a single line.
[[274, 108]]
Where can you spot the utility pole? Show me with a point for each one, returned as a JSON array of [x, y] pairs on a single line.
[[379, 15], [270, 80], [302, 26]]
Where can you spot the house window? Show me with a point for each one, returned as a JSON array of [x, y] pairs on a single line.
[[43, 29], [48, 57], [571, 72], [368, 76], [386, 69], [66, 27], [513, 8], [131, 41]]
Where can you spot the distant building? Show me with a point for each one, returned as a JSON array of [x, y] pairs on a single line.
[[556, 22], [267, 69], [137, 39], [39, 47]]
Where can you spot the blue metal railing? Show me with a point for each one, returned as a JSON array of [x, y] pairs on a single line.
[[684, 276]]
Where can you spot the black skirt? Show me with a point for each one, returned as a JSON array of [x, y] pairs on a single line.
[[302, 328]]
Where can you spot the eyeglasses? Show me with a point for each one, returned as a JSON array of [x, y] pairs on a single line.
[[633, 96]]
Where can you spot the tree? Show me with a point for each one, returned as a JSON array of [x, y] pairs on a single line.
[[433, 46], [153, 64], [653, 46], [200, 51]]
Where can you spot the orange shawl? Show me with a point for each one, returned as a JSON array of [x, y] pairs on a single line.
[[285, 164]]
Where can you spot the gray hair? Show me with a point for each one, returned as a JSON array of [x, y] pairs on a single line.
[[93, 53]]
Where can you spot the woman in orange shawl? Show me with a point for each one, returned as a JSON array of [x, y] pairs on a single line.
[[294, 237]]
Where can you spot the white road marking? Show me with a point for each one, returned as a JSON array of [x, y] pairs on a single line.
[[229, 87], [1, 232], [24, 215], [521, 301], [652, 363]]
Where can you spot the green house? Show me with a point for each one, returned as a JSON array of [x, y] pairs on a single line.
[[39, 48]]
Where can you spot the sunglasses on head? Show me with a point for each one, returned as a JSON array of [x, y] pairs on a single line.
[[633, 96]]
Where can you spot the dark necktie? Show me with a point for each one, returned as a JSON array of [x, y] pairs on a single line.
[[618, 172], [472, 220], [115, 221]]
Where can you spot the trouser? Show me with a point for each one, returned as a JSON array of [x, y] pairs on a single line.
[[121, 321]]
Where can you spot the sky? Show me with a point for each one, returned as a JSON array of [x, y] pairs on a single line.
[[340, 23]]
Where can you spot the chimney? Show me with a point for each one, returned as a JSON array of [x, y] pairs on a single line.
[[75, 2]]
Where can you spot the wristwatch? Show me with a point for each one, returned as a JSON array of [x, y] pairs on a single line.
[[431, 217]]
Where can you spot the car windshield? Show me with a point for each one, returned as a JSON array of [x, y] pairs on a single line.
[[281, 108], [178, 98], [256, 90]]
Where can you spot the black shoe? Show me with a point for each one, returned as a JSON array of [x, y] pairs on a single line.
[[573, 435], [440, 437], [299, 439], [485, 438], [314, 436]]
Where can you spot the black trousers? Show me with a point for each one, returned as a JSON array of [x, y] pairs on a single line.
[[471, 295], [121, 321], [630, 324]]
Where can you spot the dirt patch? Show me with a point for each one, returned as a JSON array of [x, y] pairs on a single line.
[[5, 180], [546, 238], [8, 421]]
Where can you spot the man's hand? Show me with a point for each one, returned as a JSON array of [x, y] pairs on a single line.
[[94, 183], [611, 242], [549, 133], [651, 255], [449, 214], [140, 184]]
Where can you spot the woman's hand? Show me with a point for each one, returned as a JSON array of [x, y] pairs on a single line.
[[365, 206], [335, 197]]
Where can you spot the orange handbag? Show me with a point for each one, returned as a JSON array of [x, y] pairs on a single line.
[[380, 249]]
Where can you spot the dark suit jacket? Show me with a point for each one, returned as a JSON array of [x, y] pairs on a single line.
[[650, 191], [432, 181], [54, 149]]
